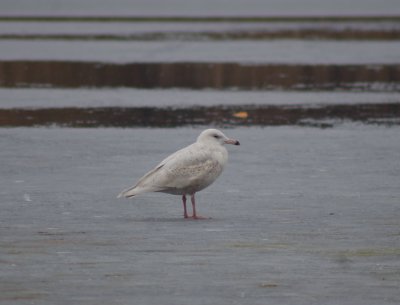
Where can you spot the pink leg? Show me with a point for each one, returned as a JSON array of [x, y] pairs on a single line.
[[184, 206], [194, 208], [193, 205]]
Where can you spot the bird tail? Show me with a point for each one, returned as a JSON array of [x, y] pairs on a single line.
[[130, 192], [136, 190]]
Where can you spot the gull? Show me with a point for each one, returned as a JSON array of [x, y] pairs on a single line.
[[188, 170]]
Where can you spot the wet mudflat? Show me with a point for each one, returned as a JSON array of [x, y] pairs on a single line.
[[301, 215], [220, 116], [199, 75]]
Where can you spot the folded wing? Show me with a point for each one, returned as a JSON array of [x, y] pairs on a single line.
[[186, 169]]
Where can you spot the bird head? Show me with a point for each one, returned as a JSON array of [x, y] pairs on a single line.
[[216, 136]]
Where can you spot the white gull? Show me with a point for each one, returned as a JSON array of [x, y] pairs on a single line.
[[188, 170]]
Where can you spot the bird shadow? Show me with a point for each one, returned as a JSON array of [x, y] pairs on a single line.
[[166, 219]]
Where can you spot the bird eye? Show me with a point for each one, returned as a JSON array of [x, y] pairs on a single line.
[[216, 136]]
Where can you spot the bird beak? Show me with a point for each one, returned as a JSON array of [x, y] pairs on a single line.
[[232, 141]]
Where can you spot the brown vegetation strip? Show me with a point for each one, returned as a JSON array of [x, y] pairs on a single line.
[[47, 18], [323, 116], [311, 34], [17, 74]]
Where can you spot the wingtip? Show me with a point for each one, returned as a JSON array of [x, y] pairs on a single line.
[[124, 195]]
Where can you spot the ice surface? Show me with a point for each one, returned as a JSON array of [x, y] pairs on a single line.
[[202, 8], [300, 215], [276, 51], [125, 97]]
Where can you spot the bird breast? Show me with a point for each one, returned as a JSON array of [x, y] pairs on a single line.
[[205, 174]]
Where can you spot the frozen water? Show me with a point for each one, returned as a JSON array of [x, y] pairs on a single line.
[[301, 215], [203, 8], [126, 97], [275, 51]]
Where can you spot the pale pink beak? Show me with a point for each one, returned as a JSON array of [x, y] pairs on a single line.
[[232, 141]]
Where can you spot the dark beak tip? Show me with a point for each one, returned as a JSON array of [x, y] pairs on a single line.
[[237, 143]]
